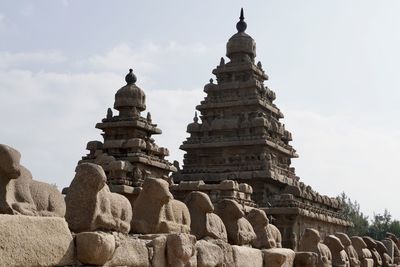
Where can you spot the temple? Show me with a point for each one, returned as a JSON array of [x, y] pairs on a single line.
[[238, 136], [128, 154]]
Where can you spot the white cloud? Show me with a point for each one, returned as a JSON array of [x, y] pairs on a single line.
[[21, 60], [123, 55]]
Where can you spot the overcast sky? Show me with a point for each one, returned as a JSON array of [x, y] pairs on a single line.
[[333, 65]]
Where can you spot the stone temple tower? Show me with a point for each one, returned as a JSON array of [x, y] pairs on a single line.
[[240, 137], [128, 154]]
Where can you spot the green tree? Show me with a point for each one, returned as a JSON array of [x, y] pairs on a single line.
[[352, 212], [383, 223]]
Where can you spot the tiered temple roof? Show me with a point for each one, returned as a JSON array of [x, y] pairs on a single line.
[[240, 137], [128, 153]]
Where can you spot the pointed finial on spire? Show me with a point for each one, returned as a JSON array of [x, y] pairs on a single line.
[[195, 119], [130, 78], [241, 25]]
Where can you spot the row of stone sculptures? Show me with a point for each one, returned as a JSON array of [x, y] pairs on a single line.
[[161, 231], [341, 251]]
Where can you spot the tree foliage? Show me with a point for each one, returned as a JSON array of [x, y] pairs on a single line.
[[352, 212], [376, 228]]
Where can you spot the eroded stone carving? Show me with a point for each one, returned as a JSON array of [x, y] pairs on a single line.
[[350, 250], [204, 223], [364, 254], [371, 245], [267, 235], [90, 204], [339, 255], [311, 242], [387, 260], [239, 229], [156, 211], [20, 194]]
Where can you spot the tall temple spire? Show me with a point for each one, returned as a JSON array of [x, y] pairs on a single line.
[[241, 25]]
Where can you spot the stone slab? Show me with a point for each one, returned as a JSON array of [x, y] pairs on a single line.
[[130, 251], [35, 241]]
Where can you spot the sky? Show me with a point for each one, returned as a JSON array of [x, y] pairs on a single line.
[[333, 65]]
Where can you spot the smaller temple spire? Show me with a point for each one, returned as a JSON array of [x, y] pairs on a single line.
[[241, 25], [130, 78]]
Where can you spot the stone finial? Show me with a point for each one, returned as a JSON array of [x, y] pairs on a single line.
[[156, 211], [130, 78], [222, 62], [259, 65], [21, 194], [90, 204], [109, 113], [241, 25], [195, 119], [148, 117], [211, 80]]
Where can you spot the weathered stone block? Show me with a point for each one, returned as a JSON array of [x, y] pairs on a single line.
[[306, 259], [226, 249], [278, 257], [208, 254], [95, 248], [130, 252], [35, 241], [181, 250], [247, 257], [158, 251]]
